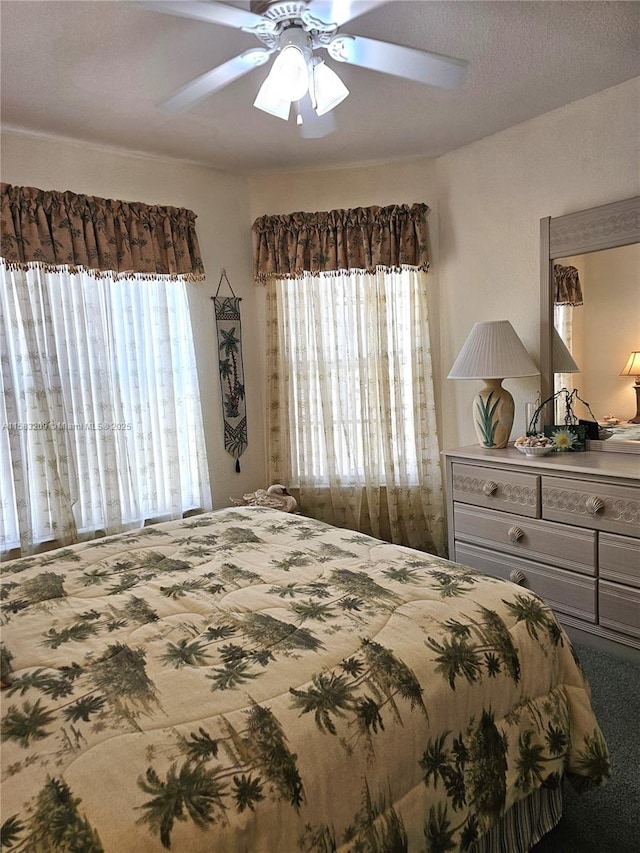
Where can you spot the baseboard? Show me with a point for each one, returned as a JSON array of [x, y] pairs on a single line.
[[602, 644]]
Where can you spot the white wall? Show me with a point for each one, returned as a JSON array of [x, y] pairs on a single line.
[[221, 203], [486, 203]]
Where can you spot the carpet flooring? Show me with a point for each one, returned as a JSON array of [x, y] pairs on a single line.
[[606, 820]]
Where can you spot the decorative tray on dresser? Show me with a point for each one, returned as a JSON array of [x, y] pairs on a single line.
[[565, 525]]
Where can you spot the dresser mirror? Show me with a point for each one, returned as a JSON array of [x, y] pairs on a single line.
[[601, 247]]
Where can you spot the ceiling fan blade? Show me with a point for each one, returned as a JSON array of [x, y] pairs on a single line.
[[214, 80], [419, 65], [314, 126], [215, 13], [338, 12]]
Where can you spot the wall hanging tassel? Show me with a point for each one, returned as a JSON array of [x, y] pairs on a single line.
[[227, 309]]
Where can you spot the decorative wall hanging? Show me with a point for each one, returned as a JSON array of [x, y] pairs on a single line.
[[229, 331]]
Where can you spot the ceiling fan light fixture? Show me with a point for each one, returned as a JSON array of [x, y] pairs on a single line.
[[328, 88], [293, 30], [270, 100]]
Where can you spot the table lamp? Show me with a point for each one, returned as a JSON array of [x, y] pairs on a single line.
[[632, 368], [493, 352]]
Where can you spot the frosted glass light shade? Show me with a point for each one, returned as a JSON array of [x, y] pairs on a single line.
[[562, 359], [493, 351], [328, 89], [269, 100], [289, 73]]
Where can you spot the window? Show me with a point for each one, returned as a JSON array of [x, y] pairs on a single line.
[[352, 420], [101, 426], [348, 344]]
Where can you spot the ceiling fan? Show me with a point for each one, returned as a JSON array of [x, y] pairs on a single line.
[[294, 30]]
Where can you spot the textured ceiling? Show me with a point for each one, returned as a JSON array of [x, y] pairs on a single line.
[[96, 71]]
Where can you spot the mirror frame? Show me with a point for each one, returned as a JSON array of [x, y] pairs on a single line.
[[591, 230]]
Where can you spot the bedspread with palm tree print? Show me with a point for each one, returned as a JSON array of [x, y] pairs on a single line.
[[249, 680]]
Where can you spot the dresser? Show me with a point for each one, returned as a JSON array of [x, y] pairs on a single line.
[[565, 525]]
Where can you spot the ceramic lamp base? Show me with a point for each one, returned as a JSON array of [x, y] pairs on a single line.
[[636, 420], [493, 410]]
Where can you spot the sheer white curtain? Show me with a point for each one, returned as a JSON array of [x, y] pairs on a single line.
[[563, 321], [101, 426], [352, 414]]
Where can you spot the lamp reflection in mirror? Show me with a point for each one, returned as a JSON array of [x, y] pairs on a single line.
[[632, 368], [493, 352], [563, 361], [563, 364]]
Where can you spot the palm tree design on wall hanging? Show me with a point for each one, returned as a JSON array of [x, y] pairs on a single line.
[[228, 327]]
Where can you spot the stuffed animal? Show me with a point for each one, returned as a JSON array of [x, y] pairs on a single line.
[[275, 496]]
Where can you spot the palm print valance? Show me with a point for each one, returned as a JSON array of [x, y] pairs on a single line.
[[62, 229], [566, 286], [286, 246]]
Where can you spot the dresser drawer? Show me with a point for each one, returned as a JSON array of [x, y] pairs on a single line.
[[566, 592], [560, 544], [600, 506], [496, 489], [620, 608], [619, 558]]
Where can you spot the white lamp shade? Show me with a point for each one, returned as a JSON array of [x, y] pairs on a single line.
[[493, 351], [562, 359], [328, 89], [632, 367]]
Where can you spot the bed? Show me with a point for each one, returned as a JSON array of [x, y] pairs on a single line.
[[254, 681]]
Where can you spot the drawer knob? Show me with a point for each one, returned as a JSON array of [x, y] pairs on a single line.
[[595, 505], [515, 533], [490, 488], [516, 576]]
